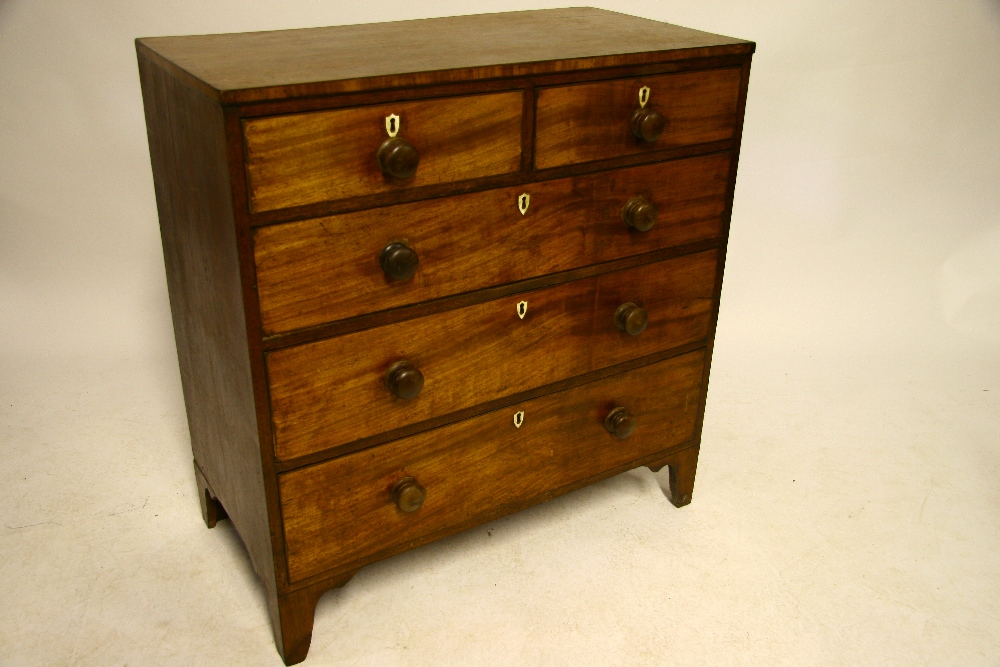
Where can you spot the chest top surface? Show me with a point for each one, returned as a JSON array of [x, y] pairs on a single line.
[[259, 66]]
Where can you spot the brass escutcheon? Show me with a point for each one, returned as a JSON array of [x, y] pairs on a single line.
[[518, 418], [522, 309], [643, 96], [392, 124], [522, 203]]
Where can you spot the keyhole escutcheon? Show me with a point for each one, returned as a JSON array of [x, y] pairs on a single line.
[[518, 418], [522, 203], [522, 309], [392, 124], [643, 96]]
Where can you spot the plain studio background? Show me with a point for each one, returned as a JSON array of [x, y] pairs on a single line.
[[846, 509]]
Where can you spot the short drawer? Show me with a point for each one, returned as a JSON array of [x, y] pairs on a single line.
[[342, 511], [335, 391], [312, 157], [326, 269], [592, 121]]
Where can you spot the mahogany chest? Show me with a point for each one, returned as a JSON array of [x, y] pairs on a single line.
[[424, 274]]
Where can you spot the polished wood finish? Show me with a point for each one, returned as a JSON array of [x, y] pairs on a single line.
[[631, 318], [398, 261], [620, 422], [212, 510], [283, 64], [292, 616], [323, 270], [305, 158], [481, 353], [404, 380], [587, 122], [639, 213], [316, 260], [397, 158], [408, 495], [647, 125], [682, 468], [188, 155], [478, 464]]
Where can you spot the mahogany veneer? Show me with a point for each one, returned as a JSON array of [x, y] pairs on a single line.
[[420, 286]]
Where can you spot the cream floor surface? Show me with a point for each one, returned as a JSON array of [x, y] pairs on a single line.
[[846, 512]]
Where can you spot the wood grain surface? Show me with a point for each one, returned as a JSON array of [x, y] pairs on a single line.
[[299, 159], [322, 270], [240, 68], [342, 510], [332, 391], [187, 147], [587, 122]]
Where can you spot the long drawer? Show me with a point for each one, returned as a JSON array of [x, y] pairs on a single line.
[[326, 269], [335, 391], [591, 121], [342, 511], [312, 157]]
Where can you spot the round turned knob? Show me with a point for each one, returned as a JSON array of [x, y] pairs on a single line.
[[621, 422], [408, 494], [639, 214], [404, 380], [397, 158], [398, 260], [647, 124], [631, 319]]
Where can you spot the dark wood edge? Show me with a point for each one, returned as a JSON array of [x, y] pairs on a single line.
[[661, 459], [392, 94], [454, 301], [724, 244], [366, 202], [204, 478], [258, 372], [497, 512], [483, 408], [528, 129], [413, 79], [175, 71]]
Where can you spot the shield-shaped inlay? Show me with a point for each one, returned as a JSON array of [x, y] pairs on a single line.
[[522, 203], [643, 96], [522, 309], [392, 124], [518, 418]]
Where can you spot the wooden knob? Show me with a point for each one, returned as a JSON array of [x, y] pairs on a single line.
[[647, 124], [631, 319], [398, 260], [404, 380], [621, 422], [639, 213], [408, 494], [397, 158]]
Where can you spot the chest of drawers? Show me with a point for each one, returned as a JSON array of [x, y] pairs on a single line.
[[424, 274]]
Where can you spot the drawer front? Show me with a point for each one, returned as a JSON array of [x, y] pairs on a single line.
[[313, 157], [341, 511], [321, 270], [586, 122], [334, 391]]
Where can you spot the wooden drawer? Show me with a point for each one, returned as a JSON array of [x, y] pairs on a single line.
[[313, 157], [333, 391], [586, 122], [342, 511], [326, 269]]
